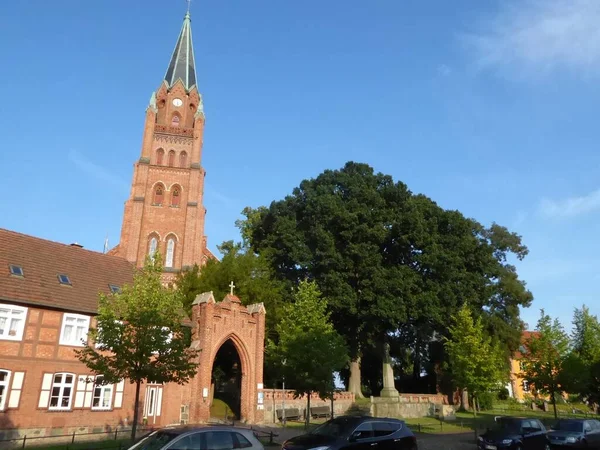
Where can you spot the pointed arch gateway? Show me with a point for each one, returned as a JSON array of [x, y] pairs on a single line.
[[231, 339]]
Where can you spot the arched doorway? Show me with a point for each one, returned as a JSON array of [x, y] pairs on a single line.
[[226, 383]]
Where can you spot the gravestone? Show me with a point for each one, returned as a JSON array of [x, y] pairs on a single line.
[[389, 385]]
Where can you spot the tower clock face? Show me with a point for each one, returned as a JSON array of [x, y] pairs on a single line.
[[177, 102]]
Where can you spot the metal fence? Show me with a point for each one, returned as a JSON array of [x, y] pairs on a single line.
[[93, 440]]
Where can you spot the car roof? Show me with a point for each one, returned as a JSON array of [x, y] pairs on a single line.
[[361, 419], [181, 429]]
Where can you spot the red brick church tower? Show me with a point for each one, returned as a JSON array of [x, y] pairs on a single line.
[[164, 211]]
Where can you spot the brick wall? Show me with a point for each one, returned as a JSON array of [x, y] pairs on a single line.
[[274, 399]]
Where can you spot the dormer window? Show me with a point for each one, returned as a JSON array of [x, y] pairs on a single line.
[[64, 279], [114, 289], [15, 270]]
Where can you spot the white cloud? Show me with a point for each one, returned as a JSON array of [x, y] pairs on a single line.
[[538, 36], [96, 170], [571, 207], [444, 70]]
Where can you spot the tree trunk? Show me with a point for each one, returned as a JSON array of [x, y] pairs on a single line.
[[464, 399], [136, 410], [473, 405], [308, 409], [354, 383], [554, 403]]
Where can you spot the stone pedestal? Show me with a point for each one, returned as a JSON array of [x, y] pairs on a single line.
[[389, 388]]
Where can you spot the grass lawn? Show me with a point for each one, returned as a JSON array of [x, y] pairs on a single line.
[[91, 445]]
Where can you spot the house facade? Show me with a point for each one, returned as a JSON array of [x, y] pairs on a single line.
[[48, 300]]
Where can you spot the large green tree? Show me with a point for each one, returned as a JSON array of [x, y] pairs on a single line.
[[139, 335], [251, 274], [478, 364], [390, 262], [545, 358], [583, 365], [309, 350]]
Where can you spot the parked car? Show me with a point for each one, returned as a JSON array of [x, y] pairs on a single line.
[[575, 433], [515, 433], [356, 433], [194, 438]]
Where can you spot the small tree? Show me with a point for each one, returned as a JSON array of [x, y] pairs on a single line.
[[477, 364], [139, 336], [309, 349], [545, 358]]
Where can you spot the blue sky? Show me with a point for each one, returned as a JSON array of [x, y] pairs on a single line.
[[486, 107]]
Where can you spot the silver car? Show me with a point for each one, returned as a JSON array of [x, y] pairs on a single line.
[[196, 438]]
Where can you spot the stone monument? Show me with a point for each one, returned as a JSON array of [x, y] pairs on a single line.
[[389, 385]]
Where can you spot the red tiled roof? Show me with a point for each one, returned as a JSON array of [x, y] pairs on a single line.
[[524, 338], [42, 261]]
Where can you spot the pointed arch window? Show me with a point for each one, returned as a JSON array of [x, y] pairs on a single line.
[[175, 120], [170, 252], [175, 196], [172, 158], [152, 246], [183, 159], [159, 194], [160, 157]]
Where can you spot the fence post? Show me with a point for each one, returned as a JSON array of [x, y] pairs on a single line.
[[441, 425], [73, 438], [24, 440], [116, 433], [419, 427], [271, 437]]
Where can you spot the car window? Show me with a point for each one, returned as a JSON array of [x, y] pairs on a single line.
[[382, 429], [526, 426], [363, 431], [219, 440], [156, 440], [535, 426], [587, 427], [189, 442], [240, 441]]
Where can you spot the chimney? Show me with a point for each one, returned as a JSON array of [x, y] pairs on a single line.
[[75, 244]]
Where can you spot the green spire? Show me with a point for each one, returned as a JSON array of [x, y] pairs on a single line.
[[182, 65]]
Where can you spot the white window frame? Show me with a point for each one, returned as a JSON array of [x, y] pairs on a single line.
[[73, 342], [61, 391], [103, 389], [152, 247], [5, 384], [9, 317], [170, 256]]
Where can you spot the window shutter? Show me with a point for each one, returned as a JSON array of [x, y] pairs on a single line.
[[89, 392], [119, 394], [158, 401], [45, 393], [15, 391], [80, 393]]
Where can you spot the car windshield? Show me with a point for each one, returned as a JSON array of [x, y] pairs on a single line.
[[155, 440], [568, 425], [336, 427]]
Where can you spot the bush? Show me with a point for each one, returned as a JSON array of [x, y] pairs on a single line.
[[503, 394], [574, 398], [486, 400]]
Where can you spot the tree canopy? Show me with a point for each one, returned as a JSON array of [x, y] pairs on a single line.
[[139, 335], [309, 350], [545, 356], [389, 261], [478, 364]]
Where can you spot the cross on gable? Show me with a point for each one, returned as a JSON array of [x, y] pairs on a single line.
[[231, 286]]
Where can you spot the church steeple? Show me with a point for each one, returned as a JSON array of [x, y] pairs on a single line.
[[182, 65]]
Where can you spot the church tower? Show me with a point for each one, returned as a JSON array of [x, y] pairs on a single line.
[[165, 211]]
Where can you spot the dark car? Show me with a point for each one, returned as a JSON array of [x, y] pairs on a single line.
[[356, 433], [515, 433], [193, 438], [575, 433]]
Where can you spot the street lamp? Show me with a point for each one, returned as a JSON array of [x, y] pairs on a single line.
[[284, 415]]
